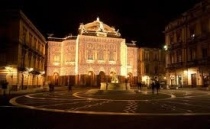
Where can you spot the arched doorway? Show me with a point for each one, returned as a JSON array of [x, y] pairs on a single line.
[[89, 78], [55, 78]]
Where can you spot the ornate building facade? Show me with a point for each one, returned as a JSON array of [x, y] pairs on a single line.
[[187, 41], [95, 55], [22, 51]]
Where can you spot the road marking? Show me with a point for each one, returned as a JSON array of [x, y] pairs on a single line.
[[8, 107], [109, 113]]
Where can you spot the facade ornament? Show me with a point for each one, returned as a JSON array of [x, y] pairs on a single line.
[[97, 19], [101, 25], [82, 28]]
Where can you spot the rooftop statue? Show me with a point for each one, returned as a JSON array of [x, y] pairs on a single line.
[[97, 26]]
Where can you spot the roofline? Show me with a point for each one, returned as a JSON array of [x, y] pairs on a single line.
[[32, 25]]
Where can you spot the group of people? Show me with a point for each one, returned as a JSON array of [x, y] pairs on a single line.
[[155, 85], [51, 87]]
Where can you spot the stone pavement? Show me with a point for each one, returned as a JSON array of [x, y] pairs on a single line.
[[94, 109]]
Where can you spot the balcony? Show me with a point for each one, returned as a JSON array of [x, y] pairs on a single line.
[[192, 63], [198, 38], [204, 61], [203, 36], [175, 65], [175, 45]]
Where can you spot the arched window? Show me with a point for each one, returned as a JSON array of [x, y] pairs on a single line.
[[111, 56], [90, 55], [100, 55]]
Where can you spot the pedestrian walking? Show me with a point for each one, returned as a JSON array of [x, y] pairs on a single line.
[[126, 83], [139, 85]]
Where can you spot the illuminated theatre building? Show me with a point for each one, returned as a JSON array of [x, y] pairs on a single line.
[[95, 55]]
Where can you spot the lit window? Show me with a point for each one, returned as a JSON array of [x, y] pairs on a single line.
[[56, 60]]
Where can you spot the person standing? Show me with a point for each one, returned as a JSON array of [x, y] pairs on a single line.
[[4, 85], [70, 87], [126, 83], [157, 86], [153, 86], [51, 87]]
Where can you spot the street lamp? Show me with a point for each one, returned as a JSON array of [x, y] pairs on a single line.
[[165, 47]]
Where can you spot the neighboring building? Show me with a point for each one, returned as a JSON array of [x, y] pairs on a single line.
[[188, 41], [22, 51], [95, 55], [151, 64], [132, 63]]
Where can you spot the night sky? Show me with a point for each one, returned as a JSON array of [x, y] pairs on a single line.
[[138, 20]]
